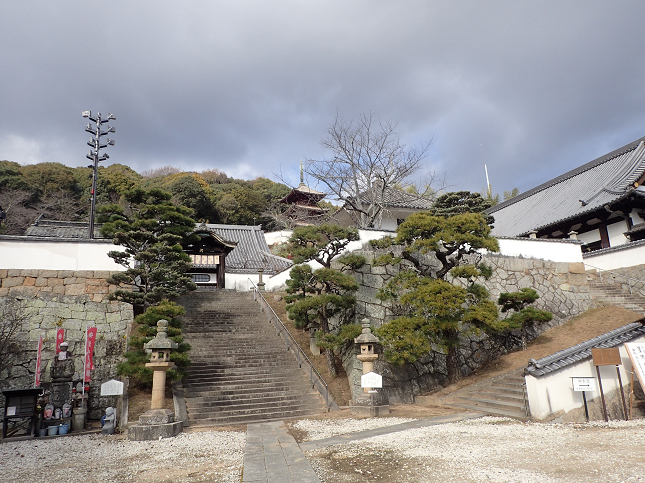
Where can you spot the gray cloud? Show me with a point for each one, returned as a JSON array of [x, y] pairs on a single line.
[[530, 88]]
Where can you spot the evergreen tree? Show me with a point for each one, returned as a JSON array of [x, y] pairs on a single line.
[[150, 228], [437, 309], [460, 202], [146, 329], [316, 296]]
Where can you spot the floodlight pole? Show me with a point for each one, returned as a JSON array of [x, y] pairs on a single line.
[[93, 155]]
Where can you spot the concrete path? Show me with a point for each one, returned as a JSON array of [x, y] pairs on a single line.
[[418, 423], [273, 456]]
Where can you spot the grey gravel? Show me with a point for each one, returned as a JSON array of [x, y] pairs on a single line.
[[491, 449], [213, 456]]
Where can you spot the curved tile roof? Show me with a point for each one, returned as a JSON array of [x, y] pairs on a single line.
[[582, 351], [579, 191]]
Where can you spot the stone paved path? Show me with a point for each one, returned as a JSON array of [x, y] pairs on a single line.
[[273, 456]]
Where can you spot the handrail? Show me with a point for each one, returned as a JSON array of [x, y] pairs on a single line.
[[290, 342], [600, 270]]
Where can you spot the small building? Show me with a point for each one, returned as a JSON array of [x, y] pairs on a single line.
[[394, 207], [302, 206]]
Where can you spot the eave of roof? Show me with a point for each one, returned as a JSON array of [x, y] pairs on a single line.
[[574, 194]]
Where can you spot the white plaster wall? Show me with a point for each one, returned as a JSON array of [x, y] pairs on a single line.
[[590, 236], [554, 392], [544, 250], [615, 231], [46, 255], [627, 256], [636, 218], [274, 237]]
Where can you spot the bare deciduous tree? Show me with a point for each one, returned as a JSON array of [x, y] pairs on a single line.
[[12, 316], [368, 161]]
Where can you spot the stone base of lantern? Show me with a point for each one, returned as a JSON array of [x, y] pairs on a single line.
[[155, 424], [371, 404]]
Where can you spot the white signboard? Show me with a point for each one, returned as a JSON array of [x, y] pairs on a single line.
[[371, 379], [112, 388], [584, 383], [636, 353]]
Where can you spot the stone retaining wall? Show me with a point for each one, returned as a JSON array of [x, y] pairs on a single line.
[[562, 287], [73, 301], [636, 273]]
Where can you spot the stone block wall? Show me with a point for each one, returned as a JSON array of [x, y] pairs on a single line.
[[562, 287], [72, 301]]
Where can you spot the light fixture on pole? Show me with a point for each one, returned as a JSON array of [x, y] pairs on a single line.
[[96, 144]]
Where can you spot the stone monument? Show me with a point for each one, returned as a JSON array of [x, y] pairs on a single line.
[[371, 402], [157, 422], [61, 372]]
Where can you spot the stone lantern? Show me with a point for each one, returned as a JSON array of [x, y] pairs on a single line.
[[160, 348], [367, 344], [371, 402], [157, 422]]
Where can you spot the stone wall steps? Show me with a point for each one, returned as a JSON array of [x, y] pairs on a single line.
[[502, 395], [241, 371], [612, 294]]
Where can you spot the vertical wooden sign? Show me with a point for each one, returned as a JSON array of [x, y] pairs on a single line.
[[636, 353]]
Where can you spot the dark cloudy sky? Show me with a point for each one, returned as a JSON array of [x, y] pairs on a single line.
[[532, 89]]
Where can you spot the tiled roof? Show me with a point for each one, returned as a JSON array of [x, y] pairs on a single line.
[[579, 191], [394, 198], [62, 229], [582, 351], [251, 252]]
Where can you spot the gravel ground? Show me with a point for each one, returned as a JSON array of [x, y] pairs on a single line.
[[490, 449], [213, 456], [476, 450]]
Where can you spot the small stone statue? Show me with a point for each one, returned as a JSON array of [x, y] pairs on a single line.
[[109, 421]]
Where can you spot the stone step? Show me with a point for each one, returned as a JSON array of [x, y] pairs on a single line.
[[208, 410], [220, 391], [230, 398], [240, 381], [252, 418], [521, 415]]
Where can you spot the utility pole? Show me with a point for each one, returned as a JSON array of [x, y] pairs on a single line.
[[96, 145]]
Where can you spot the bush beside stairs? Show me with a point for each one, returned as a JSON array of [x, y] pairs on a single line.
[[241, 371]]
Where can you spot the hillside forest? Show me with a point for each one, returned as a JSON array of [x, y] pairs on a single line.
[[57, 192]]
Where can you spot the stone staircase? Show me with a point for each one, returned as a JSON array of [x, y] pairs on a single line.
[[241, 371], [502, 395], [612, 294]]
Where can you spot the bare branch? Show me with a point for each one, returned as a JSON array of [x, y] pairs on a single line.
[[367, 161]]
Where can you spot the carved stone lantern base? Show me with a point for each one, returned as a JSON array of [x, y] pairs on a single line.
[[155, 424], [371, 404]]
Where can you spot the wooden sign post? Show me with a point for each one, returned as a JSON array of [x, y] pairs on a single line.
[[636, 353], [608, 357]]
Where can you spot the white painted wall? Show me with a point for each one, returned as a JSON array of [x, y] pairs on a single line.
[[20, 253], [636, 218], [590, 236], [553, 250], [615, 231], [627, 255], [554, 391]]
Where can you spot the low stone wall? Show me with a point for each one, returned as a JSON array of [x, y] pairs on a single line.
[[72, 301], [562, 287]]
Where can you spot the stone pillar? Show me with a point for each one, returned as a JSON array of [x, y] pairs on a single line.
[[260, 282]]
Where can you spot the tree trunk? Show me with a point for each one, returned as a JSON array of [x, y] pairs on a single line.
[[453, 365], [331, 362]]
